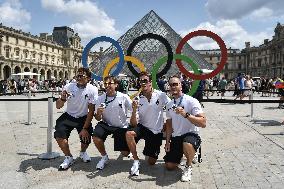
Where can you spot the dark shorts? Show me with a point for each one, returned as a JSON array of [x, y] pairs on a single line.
[[153, 141], [176, 149], [66, 123], [223, 90], [102, 130]]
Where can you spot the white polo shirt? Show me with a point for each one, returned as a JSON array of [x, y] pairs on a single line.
[[77, 102], [180, 124], [150, 114], [115, 113]]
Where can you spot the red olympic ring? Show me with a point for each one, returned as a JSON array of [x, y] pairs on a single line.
[[213, 36]]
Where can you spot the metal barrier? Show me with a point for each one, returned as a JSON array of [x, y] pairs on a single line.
[[49, 154], [29, 110]]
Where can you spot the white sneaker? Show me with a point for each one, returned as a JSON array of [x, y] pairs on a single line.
[[182, 162], [85, 157], [134, 171], [102, 162], [195, 159], [66, 163], [130, 155], [186, 174]]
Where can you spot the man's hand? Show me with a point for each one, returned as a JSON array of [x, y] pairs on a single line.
[[84, 134], [135, 105], [64, 95], [181, 111], [167, 147], [100, 110]]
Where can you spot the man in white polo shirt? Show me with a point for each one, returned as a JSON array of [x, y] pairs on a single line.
[[111, 110], [80, 97], [147, 120], [184, 117]]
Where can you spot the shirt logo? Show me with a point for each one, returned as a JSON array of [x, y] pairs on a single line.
[[157, 102], [86, 96]]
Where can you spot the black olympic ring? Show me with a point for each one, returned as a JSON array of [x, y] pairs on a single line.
[[152, 36]]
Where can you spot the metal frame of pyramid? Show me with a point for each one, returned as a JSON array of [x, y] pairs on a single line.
[[150, 50]]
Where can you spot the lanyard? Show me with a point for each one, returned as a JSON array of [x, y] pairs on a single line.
[[107, 102], [181, 98]]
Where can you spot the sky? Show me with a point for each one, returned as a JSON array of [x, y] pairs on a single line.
[[235, 21]]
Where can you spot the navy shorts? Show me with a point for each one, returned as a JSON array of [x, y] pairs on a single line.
[[153, 141], [176, 146], [102, 130], [66, 123]]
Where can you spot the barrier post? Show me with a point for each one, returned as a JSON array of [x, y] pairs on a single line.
[[49, 154], [29, 109], [251, 105]]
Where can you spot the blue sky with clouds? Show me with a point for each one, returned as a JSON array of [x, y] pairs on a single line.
[[235, 21]]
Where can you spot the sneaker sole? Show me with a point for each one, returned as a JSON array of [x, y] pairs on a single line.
[[134, 175], [62, 169], [103, 167]]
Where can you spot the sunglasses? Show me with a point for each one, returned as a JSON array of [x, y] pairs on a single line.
[[144, 81], [81, 76], [173, 84], [109, 83]]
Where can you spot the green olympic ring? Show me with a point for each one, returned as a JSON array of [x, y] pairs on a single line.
[[176, 56]]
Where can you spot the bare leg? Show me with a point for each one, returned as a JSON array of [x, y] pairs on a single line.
[[171, 166], [189, 152], [100, 145], [84, 147], [64, 146], [130, 139]]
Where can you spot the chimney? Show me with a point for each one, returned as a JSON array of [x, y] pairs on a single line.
[[247, 44], [43, 36], [265, 41], [101, 49]]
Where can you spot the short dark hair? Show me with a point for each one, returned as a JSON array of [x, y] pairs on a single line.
[[144, 73], [85, 70], [174, 76], [112, 78]]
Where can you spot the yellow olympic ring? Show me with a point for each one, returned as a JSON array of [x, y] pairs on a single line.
[[132, 59]]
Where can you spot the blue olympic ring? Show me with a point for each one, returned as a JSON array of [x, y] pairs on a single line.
[[94, 41]]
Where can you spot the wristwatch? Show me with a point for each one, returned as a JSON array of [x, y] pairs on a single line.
[[186, 115]]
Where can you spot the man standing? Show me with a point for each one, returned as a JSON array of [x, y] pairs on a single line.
[[184, 117], [80, 97], [149, 124], [222, 86], [111, 111]]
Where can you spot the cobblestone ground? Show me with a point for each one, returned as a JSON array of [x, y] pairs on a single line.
[[238, 152]]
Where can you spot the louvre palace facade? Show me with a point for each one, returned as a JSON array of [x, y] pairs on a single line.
[[266, 60], [57, 55]]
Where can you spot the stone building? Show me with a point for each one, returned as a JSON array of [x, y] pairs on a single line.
[[57, 55], [266, 60]]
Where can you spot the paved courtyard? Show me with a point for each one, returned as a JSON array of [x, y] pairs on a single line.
[[238, 152]]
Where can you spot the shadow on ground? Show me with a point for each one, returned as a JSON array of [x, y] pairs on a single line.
[[38, 164], [147, 173], [266, 123]]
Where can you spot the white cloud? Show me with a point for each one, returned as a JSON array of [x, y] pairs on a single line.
[[261, 13], [256, 9], [88, 19], [230, 31], [12, 14]]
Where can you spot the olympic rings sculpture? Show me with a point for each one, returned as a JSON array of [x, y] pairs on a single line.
[[168, 59]]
